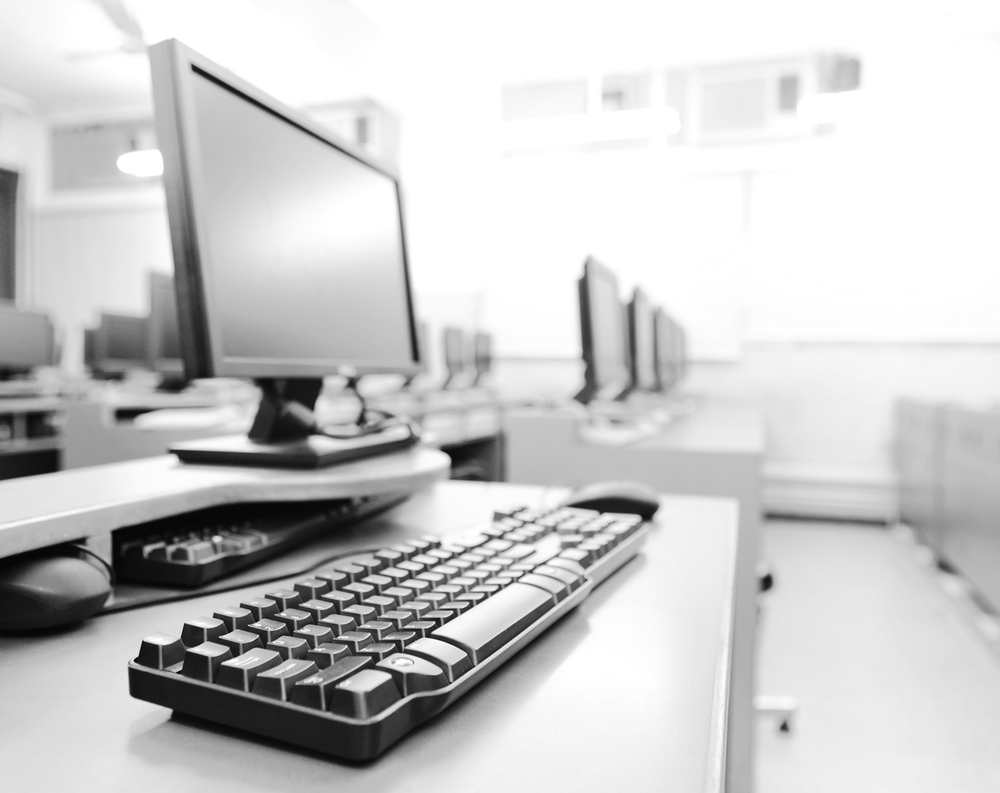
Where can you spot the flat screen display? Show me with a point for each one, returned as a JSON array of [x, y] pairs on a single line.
[[289, 249], [607, 326], [25, 340], [642, 342]]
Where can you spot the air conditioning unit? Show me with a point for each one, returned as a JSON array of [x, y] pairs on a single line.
[[754, 102]]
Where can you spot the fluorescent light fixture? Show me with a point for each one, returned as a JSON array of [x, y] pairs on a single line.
[[829, 108], [145, 162]]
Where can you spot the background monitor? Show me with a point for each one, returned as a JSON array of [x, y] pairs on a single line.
[[482, 354], [642, 352], [288, 243], [163, 332], [665, 350], [26, 340], [602, 333], [454, 353], [119, 344]]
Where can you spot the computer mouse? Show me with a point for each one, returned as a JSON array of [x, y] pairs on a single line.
[[632, 497], [42, 591]]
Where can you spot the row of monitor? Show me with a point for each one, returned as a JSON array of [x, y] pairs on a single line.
[[121, 342], [27, 341], [637, 348]]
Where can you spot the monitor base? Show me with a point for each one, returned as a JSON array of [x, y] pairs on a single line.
[[314, 451]]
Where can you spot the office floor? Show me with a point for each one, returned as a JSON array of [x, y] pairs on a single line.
[[899, 688]]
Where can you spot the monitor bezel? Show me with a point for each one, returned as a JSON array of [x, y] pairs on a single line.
[[25, 364], [172, 64], [600, 384]]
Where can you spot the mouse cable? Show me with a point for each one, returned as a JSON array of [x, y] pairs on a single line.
[[104, 562]]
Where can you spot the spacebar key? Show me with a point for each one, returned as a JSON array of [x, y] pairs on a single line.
[[483, 630]]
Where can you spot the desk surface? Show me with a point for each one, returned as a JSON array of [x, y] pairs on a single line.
[[628, 692]]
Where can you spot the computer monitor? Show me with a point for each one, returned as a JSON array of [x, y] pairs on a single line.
[[119, 345], [163, 336], [482, 355], [641, 335], [289, 250], [26, 341], [666, 331], [454, 354], [602, 333]]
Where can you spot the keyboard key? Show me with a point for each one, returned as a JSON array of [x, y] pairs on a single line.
[[378, 650], [340, 623], [317, 609], [455, 605], [334, 578], [377, 629], [371, 563], [289, 647], [398, 593], [571, 580], [240, 641], [268, 630], [360, 613], [314, 691], [472, 597], [422, 627], [315, 635], [160, 651], [234, 617], [352, 571], [395, 574], [294, 618], [381, 603], [431, 578], [364, 695], [202, 629], [416, 607], [452, 660], [497, 581], [435, 598], [361, 590], [447, 570], [487, 589], [568, 565], [399, 639], [261, 608], [438, 617], [203, 662], [277, 683], [398, 617], [340, 600], [328, 654], [380, 582], [412, 674], [489, 626], [390, 556], [240, 672], [285, 598], [406, 551], [412, 567], [415, 585], [556, 588], [582, 557], [355, 640], [466, 582], [312, 588], [451, 590], [500, 546]]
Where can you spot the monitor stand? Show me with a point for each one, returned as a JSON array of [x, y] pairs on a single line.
[[285, 434]]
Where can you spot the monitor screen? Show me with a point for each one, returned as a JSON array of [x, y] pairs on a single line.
[[641, 342], [484, 353], [602, 330], [665, 347], [454, 351], [121, 343], [164, 330], [26, 340], [288, 245]]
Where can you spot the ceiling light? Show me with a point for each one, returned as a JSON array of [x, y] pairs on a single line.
[[145, 162]]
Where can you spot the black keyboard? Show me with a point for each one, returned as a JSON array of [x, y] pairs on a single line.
[[196, 548], [350, 659]]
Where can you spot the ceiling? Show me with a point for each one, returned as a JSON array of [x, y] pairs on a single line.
[[61, 56]]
